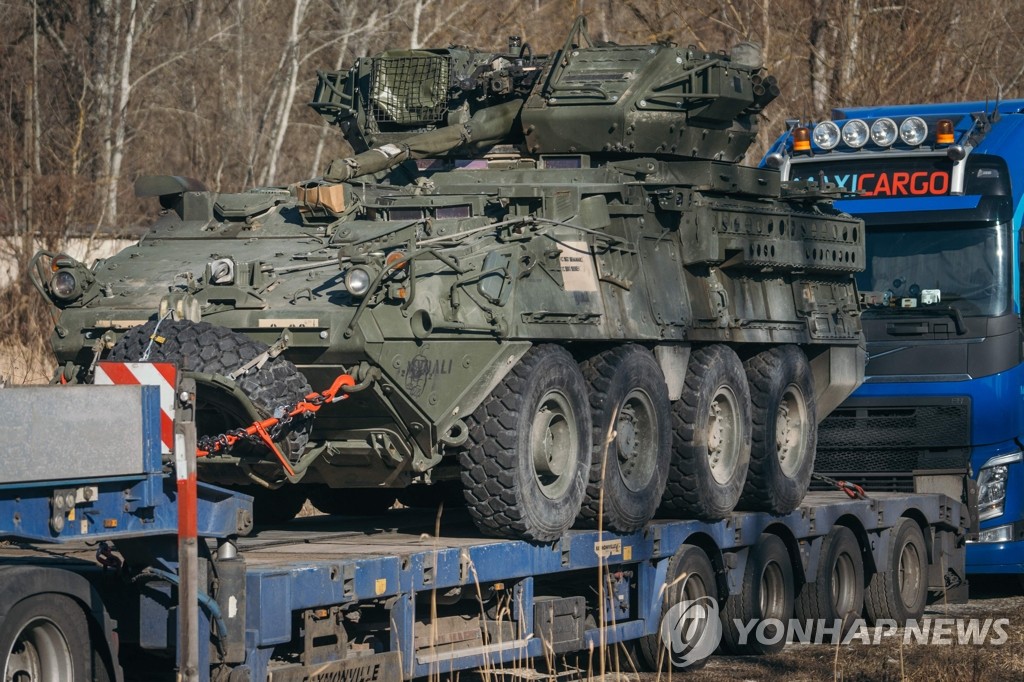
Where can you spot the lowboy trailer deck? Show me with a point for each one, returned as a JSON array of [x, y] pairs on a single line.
[[94, 583]]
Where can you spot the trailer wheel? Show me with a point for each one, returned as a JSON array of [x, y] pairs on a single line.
[[838, 593], [351, 501], [766, 596], [632, 437], [45, 638], [690, 578], [205, 348], [899, 590], [710, 437], [785, 430], [524, 471]]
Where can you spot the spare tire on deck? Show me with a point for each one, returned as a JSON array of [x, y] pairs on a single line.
[[204, 348]]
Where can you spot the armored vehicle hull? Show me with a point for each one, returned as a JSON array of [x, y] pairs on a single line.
[[568, 329]]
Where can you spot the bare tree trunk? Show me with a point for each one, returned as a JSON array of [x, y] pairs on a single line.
[[120, 120], [851, 55], [279, 124], [820, 48], [25, 247], [37, 131], [414, 30], [104, 43]]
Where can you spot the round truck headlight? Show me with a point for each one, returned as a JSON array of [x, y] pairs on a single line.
[[913, 130], [826, 135], [883, 132], [64, 285], [357, 281], [855, 133]]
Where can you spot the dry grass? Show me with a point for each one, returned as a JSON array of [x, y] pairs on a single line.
[[21, 364]]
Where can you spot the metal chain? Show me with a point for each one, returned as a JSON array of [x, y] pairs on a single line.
[[284, 419], [853, 490]]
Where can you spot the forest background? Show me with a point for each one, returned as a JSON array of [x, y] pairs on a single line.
[[94, 93]]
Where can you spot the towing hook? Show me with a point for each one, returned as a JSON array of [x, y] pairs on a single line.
[[371, 375]]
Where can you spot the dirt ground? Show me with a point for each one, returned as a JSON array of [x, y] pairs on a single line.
[[996, 597]]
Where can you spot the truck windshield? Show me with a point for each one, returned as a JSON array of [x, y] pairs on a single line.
[[968, 265]]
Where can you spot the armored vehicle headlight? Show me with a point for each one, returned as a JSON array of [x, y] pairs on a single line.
[[826, 135], [357, 281], [883, 132], [64, 285], [913, 130], [855, 133]]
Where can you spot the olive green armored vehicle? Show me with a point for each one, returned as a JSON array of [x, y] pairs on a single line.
[[559, 293]]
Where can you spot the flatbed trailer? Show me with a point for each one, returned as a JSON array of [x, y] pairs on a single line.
[[94, 577]]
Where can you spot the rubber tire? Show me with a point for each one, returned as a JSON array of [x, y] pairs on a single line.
[[68, 620], [352, 501], [503, 494], [746, 606], [689, 560], [769, 374], [692, 490], [883, 598], [612, 376], [273, 507], [815, 599], [206, 348]]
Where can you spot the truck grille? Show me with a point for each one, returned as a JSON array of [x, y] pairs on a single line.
[[945, 423], [878, 443], [872, 483]]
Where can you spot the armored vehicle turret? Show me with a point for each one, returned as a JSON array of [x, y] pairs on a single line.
[[559, 293]]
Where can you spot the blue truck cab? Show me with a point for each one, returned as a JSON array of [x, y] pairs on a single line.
[[940, 189]]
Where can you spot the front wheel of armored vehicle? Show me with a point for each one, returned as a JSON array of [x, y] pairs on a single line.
[[203, 348], [524, 468], [632, 438], [785, 430], [710, 437]]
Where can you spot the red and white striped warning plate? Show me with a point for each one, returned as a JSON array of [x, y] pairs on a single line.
[[162, 374]]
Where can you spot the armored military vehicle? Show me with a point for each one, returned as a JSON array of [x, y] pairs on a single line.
[[554, 284]]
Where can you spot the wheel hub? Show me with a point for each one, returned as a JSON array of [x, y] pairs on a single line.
[[909, 574], [791, 423], [554, 444], [723, 431], [39, 654], [636, 427]]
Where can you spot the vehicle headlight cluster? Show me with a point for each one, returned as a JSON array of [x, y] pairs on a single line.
[[64, 285], [992, 481], [883, 132], [69, 280], [358, 280]]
